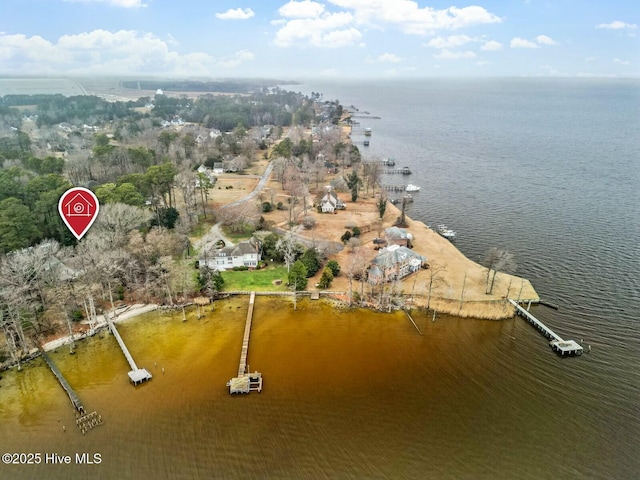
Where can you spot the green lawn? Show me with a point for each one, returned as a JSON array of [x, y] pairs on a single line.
[[260, 280]]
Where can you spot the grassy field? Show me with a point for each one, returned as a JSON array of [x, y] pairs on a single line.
[[259, 280]]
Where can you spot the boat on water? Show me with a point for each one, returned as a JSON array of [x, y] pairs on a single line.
[[366, 143], [412, 188], [389, 162], [367, 131], [446, 232]]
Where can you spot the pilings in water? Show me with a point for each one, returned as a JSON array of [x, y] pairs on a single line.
[[246, 381], [136, 375], [85, 421], [562, 347]]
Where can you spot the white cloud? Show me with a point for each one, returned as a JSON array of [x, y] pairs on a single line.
[[617, 25], [329, 30], [236, 59], [545, 40], [518, 42], [305, 9], [104, 52], [115, 3], [408, 16], [590, 59], [449, 55], [491, 46], [451, 41], [385, 57], [618, 61], [236, 14]]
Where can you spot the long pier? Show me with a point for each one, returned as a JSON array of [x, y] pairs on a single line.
[[246, 381], [402, 171], [84, 421], [242, 367], [563, 347], [73, 396], [136, 375]]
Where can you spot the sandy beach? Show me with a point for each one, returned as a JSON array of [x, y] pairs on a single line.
[[123, 313]]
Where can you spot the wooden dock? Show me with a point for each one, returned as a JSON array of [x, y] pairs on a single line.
[[136, 375], [246, 382], [401, 171], [85, 421], [562, 347], [73, 396]]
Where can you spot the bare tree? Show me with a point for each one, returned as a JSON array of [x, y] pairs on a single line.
[[355, 268], [287, 247], [116, 220], [497, 260]]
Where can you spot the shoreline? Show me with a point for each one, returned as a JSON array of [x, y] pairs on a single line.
[[127, 313]]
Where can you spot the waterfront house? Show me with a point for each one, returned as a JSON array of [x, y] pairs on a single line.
[[394, 263], [244, 254], [398, 236], [330, 202]]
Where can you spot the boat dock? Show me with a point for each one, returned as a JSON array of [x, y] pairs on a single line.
[[136, 375], [85, 421], [562, 347], [246, 382], [73, 396], [401, 171]]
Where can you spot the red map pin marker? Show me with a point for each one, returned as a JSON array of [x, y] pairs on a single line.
[[78, 208]]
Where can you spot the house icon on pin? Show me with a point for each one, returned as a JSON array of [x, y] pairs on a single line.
[[78, 206]]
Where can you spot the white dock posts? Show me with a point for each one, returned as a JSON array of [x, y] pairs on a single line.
[[136, 375], [563, 347], [246, 382]]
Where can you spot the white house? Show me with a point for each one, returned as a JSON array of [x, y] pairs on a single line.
[[330, 202], [244, 254]]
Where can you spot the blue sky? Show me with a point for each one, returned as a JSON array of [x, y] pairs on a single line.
[[310, 39]]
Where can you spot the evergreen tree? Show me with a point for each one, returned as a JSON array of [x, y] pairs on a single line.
[[298, 276]]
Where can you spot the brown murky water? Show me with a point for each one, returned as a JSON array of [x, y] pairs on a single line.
[[347, 395]]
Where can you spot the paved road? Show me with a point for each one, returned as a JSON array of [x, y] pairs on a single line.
[[216, 232], [326, 246], [263, 181]]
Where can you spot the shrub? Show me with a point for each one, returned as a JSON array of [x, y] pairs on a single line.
[[334, 267], [309, 222], [345, 236], [326, 278], [311, 261], [267, 207], [356, 231], [241, 268]]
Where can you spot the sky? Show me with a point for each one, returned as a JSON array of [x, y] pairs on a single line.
[[305, 39]]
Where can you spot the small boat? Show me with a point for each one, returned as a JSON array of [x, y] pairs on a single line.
[[366, 143], [446, 232], [408, 198], [367, 131], [389, 162], [412, 188]]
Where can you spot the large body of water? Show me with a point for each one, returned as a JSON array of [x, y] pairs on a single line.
[[548, 169]]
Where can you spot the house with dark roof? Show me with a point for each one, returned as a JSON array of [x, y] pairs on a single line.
[[394, 263], [244, 254]]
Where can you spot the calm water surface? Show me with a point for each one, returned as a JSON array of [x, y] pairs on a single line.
[[547, 169]]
